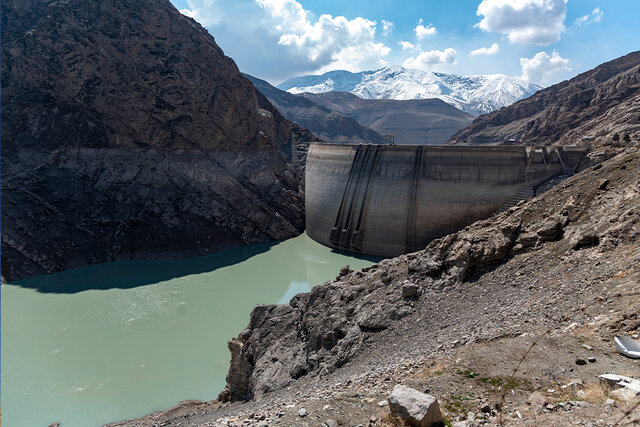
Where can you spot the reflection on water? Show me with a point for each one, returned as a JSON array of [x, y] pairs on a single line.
[[120, 340], [294, 288]]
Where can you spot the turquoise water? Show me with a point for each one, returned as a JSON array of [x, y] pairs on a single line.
[[116, 341]]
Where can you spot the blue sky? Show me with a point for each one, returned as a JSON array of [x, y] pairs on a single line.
[[543, 41]]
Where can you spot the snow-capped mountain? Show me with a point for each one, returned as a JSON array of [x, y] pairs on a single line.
[[474, 94]]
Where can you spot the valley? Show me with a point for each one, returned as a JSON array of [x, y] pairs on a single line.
[[188, 241]]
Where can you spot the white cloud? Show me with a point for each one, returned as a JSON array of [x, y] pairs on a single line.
[[424, 31], [202, 11], [539, 22], [594, 16], [336, 42], [275, 39], [189, 13], [406, 45], [544, 69], [486, 50], [429, 59], [387, 27]]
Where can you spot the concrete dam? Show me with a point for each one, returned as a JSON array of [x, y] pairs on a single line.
[[387, 200]]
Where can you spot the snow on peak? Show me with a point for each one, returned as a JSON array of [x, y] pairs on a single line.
[[476, 95]]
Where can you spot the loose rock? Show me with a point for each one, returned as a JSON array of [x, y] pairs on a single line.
[[416, 408], [537, 400], [410, 289]]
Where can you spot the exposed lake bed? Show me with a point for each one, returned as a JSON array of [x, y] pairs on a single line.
[[116, 341]]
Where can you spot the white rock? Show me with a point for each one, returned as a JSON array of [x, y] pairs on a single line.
[[625, 394], [621, 381], [416, 408]]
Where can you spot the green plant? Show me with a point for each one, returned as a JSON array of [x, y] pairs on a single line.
[[468, 374]]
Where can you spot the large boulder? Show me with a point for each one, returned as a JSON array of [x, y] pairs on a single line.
[[414, 407]]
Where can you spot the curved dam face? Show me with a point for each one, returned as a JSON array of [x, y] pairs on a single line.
[[387, 200]]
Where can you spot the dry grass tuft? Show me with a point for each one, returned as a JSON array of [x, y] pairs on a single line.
[[435, 369], [390, 420], [595, 393]]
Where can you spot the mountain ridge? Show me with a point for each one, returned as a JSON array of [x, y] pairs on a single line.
[[478, 94], [329, 125], [411, 121], [587, 109]]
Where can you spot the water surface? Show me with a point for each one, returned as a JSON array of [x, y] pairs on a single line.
[[116, 341]]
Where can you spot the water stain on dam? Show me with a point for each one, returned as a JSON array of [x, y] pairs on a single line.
[[387, 200]]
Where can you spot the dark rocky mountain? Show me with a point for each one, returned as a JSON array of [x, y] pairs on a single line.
[[412, 121], [127, 133], [327, 124], [588, 109]]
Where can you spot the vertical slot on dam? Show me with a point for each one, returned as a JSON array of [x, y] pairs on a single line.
[[387, 200]]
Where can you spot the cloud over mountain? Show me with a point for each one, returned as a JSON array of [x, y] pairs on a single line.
[[493, 49], [430, 58], [539, 22], [542, 68], [594, 16], [300, 41], [423, 31]]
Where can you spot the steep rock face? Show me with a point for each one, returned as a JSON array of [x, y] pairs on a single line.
[[327, 124], [320, 331], [127, 133], [411, 121], [588, 109]]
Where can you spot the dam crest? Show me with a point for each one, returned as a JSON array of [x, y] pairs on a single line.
[[387, 200]]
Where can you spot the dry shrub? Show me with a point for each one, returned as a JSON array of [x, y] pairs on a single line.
[[391, 420], [595, 393]]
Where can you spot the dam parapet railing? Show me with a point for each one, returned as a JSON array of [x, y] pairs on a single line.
[[387, 200]]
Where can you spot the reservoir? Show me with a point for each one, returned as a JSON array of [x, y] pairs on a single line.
[[116, 341]]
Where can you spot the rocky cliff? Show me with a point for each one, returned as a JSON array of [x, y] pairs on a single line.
[[592, 218], [326, 124], [588, 109], [127, 133]]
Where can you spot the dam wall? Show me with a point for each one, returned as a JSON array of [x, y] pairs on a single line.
[[387, 200]]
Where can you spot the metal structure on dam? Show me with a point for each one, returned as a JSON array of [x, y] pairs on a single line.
[[388, 200]]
